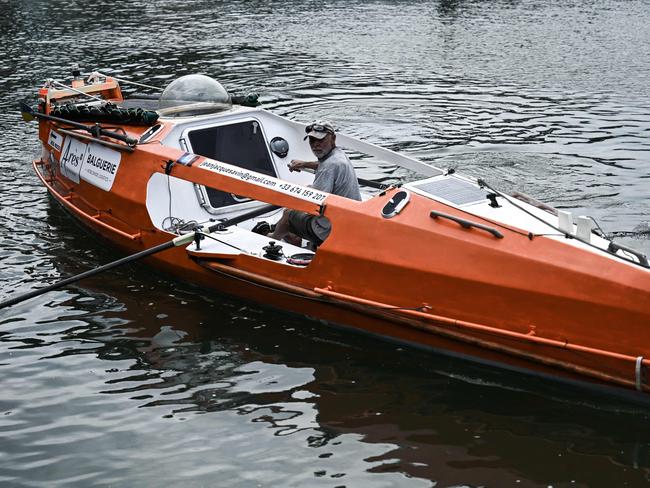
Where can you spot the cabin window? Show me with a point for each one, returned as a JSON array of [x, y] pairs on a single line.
[[240, 144]]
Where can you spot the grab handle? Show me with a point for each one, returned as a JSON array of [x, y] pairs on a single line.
[[614, 247], [466, 224]]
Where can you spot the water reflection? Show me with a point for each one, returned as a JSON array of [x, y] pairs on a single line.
[[268, 369]]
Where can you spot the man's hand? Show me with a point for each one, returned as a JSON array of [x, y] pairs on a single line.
[[298, 165]]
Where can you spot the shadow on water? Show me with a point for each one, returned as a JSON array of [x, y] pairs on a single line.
[[185, 354]]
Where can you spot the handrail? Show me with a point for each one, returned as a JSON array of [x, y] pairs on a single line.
[[529, 337], [614, 247], [466, 224]]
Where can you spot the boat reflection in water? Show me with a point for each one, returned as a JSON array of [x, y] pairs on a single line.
[[207, 381], [415, 414]]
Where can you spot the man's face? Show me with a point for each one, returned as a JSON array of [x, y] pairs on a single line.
[[322, 147]]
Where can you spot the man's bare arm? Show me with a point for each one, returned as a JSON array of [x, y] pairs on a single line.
[[298, 164]]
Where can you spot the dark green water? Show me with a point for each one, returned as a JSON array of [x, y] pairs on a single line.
[[132, 379]]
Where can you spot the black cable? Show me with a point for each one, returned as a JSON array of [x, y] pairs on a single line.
[[530, 235]]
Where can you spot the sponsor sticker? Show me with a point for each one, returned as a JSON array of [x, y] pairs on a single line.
[[93, 163], [259, 179], [100, 166], [72, 156], [55, 140]]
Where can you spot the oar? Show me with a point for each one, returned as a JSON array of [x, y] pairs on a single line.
[[373, 184], [178, 241], [362, 181], [96, 130]]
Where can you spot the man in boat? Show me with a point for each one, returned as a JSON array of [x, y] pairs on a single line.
[[334, 174]]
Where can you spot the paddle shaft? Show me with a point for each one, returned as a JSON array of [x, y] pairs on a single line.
[[372, 184], [178, 241], [242, 218], [362, 181], [87, 274]]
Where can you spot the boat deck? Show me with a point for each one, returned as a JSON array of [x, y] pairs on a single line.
[[234, 241]]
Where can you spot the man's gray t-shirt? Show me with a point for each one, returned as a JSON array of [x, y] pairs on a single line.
[[335, 174]]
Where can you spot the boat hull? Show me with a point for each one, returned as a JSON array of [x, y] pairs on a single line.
[[457, 274], [412, 314]]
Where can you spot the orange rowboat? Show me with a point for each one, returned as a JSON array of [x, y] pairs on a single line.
[[441, 261]]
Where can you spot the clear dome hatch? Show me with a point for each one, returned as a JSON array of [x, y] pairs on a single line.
[[194, 95]]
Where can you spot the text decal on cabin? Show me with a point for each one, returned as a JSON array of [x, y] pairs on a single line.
[[259, 179]]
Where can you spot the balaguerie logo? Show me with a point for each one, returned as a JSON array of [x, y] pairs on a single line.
[[101, 164]]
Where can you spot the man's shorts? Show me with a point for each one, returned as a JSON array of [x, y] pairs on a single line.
[[300, 223]]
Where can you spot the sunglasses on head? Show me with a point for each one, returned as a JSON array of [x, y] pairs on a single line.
[[318, 128]]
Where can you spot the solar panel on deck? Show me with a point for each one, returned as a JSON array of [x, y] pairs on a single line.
[[453, 190]]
